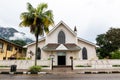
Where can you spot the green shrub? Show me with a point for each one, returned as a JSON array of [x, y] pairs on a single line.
[[35, 69], [115, 65], [115, 54], [83, 66], [2, 66]]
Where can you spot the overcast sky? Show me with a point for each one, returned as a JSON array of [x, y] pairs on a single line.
[[91, 17]]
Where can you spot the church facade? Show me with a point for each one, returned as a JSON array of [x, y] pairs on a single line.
[[61, 43]]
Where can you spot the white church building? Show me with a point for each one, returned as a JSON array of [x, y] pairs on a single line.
[[62, 43]]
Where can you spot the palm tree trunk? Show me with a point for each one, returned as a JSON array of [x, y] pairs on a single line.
[[36, 51]]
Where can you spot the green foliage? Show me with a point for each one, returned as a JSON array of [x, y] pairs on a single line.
[[2, 66], [35, 69], [44, 66], [38, 19], [113, 36], [19, 42], [108, 42], [115, 65], [83, 66], [115, 54]]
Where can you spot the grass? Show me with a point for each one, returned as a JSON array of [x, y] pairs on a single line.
[[83, 66], [4, 66]]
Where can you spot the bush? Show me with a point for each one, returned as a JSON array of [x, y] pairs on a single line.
[[35, 69], [115, 55]]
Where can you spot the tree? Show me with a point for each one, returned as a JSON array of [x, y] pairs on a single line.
[[19, 42], [38, 19], [108, 42], [103, 44], [113, 36]]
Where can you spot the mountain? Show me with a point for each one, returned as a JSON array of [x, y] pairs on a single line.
[[7, 32], [13, 34]]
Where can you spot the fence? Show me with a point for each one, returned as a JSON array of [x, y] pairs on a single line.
[[96, 64], [77, 64], [25, 64]]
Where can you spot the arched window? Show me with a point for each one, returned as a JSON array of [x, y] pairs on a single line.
[[84, 54], [61, 37], [39, 54]]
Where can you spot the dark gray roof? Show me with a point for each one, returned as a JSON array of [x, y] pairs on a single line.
[[53, 47], [9, 42]]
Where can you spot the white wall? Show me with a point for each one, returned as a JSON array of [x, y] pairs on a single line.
[[91, 50], [25, 64], [70, 38], [32, 48], [53, 37], [97, 64]]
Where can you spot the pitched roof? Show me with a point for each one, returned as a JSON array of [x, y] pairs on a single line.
[[87, 41], [65, 25], [67, 47], [8, 41], [43, 38], [72, 46]]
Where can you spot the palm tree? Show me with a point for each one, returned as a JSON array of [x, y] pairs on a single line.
[[38, 19]]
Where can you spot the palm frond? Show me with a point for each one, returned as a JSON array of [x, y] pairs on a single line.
[[41, 7], [30, 7], [38, 19]]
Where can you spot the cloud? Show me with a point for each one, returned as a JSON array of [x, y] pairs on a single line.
[[91, 17], [18, 36]]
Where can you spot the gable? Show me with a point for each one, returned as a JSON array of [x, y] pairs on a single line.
[[86, 42], [61, 23], [69, 35]]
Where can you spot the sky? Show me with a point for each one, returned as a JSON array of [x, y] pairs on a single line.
[[91, 17]]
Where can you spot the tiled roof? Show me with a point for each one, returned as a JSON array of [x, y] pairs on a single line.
[[50, 47], [53, 46], [72, 47]]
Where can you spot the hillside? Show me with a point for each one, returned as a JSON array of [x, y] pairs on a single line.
[[10, 33]]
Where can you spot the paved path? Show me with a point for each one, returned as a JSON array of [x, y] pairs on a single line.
[[61, 77]]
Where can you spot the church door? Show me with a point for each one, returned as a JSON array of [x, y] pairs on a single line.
[[61, 58]]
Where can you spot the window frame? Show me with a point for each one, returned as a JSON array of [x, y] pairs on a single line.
[[61, 37], [84, 53], [1, 43], [9, 47]]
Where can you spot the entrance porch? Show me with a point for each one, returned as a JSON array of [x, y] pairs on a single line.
[[62, 53]]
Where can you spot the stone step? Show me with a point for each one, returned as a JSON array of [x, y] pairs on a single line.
[[61, 69]]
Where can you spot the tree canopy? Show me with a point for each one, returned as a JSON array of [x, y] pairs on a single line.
[[38, 20], [108, 42]]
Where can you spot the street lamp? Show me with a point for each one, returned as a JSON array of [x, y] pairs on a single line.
[[52, 57]]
